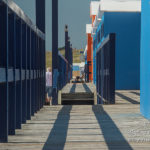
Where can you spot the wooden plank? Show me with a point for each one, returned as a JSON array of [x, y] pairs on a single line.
[[79, 88], [97, 127]]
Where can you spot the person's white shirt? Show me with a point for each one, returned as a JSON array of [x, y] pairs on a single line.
[[48, 78]]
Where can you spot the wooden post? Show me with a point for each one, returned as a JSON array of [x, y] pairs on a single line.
[[59, 98], [55, 49], [95, 97], [40, 15]]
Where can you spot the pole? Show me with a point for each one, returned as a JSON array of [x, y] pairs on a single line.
[[40, 15], [40, 23], [69, 57], [66, 42], [66, 50], [55, 49]]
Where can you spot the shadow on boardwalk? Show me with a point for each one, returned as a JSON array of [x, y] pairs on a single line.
[[136, 93], [58, 134], [87, 89], [127, 98], [112, 135], [73, 88]]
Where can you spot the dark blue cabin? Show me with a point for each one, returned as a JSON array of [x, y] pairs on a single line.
[[126, 24]]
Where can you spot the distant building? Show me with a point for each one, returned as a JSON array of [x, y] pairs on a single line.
[[89, 55], [94, 7], [78, 69]]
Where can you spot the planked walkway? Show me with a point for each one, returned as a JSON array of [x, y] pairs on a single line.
[[77, 127], [79, 88], [75, 94]]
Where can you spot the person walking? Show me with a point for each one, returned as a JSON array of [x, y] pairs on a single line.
[[49, 86]]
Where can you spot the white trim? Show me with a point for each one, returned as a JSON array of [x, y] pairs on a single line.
[[94, 6], [96, 22], [120, 5], [85, 51], [99, 19], [88, 28], [103, 43]]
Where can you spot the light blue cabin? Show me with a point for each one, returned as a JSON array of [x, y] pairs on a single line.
[[145, 59]]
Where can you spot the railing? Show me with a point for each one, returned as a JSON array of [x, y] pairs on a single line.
[[22, 69], [105, 66], [68, 54], [65, 73]]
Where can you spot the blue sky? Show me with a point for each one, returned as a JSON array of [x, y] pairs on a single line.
[[75, 13]]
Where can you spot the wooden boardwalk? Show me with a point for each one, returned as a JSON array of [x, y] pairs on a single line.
[[86, 127], [78, 94], [79, 88]]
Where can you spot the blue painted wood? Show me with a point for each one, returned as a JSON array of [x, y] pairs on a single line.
[[14, 71], [22, 69], [105, 65], [25, 75], [12, 109], [11, 73], [40, 22], [127, 28], [19, 12], [4, 63], [24, 83], [68, 54], [28, 73], [145, 60], [62, 67], [3, 114], [7, 64], [33, 73], [18, 74], [37, 66], [55, 45], [66, 42], [40, 15], [3, 75]]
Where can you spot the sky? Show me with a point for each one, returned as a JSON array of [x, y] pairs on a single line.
[[75, 13]]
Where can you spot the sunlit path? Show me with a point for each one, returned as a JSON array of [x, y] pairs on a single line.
[[83, 127]]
